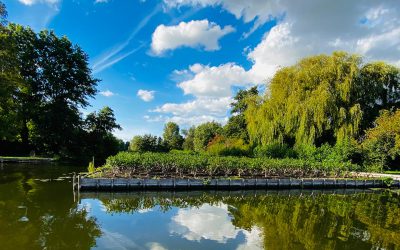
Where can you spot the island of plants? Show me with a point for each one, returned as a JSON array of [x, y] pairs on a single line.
[[328, 116]]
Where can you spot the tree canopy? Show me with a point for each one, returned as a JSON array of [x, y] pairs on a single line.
[[322, 99]]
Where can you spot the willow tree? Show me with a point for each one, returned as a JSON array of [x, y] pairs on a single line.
[[321, 99]]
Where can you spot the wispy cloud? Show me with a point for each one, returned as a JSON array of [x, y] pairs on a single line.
[[114, 55], [114, 60]]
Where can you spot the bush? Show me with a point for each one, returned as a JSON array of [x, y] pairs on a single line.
[[228, 147], [345, 152], [275, 150], [382, 143]]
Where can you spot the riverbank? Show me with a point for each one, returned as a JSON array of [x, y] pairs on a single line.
[[12, 159]]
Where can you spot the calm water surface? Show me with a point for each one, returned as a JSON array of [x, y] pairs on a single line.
[[38, 210]]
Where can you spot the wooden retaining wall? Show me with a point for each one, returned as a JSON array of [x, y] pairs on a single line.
[[98, 184]]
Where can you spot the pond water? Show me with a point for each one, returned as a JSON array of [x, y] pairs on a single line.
[[38, 210]]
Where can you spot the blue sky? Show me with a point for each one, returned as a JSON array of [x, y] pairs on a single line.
[[183, 60]]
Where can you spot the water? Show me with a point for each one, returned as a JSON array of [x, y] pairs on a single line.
[[38, 210]]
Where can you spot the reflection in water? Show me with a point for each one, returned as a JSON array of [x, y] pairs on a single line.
[[37, 211], [273, 221], [212, 223], [41, 215]]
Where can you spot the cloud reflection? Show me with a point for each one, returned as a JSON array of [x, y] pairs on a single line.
[[212, 223]]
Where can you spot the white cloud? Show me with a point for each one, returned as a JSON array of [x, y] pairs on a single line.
[[101, 1], [155, 246], [32, 2], [194, 34], [259, 11], [107, 93], [214, 81], [146, 95]]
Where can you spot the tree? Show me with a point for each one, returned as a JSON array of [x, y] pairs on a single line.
[[382, 142], [204, 133], [102, 122], [10, 82], [99, 140], [321, 99], [171, 136], [236, 126], [59, 82], [188, 143], [147, 143]]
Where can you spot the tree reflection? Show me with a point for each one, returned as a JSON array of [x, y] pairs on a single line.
[[321, 221], [38, 213]]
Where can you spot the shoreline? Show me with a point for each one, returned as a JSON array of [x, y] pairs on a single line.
[[5, 159]]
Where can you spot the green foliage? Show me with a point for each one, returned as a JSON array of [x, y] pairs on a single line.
[[188, 143], [275, 150], [131, 164], [147, 143], [382, 143], [326, 153], [228, 146], [236, 125], [171, 136], [102, 122], [321, 99], [204, 133], [91, 168]]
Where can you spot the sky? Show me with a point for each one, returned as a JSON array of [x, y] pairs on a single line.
[[184, 60]]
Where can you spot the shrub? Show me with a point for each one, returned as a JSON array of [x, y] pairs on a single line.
[[275, 150], [382, 143], [225, 147]]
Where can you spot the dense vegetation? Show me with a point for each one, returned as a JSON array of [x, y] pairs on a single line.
[[183, 165], [44, 81], [326, 110]]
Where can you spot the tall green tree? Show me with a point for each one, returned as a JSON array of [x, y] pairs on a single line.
[[59, 82], [204, 133], [188, 143], [172, 137], [236, 126], [99, 141], [10, 81], [147, 143], [321, 99]]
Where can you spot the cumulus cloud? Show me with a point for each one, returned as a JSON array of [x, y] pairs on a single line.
[[146, 95], [194, 34], [32, 2], [101, 1], [107, 93], [214, 81]]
